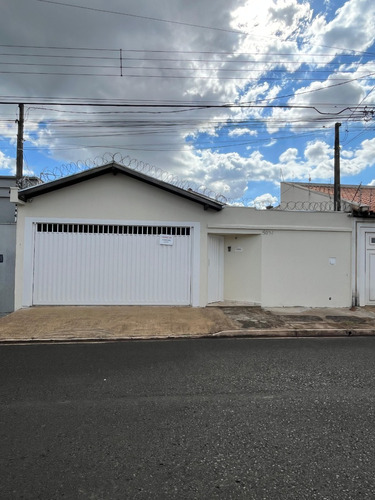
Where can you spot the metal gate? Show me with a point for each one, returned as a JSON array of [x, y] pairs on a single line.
[[215, 269], [370, 268], [88, 264]]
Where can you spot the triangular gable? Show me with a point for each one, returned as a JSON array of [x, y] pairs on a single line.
[[115, 168]]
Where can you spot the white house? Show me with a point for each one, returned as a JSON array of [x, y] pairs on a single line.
[[112, 235]]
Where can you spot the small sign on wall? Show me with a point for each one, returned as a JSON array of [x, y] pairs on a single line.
[[166, 240]]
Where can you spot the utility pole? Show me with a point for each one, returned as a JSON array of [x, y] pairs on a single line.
[[336, 187], [19, 164]]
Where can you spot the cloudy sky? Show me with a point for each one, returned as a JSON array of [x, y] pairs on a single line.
[[236, 95]]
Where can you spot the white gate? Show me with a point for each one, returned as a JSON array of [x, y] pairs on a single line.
[[215, 269], [370, 268], [88, 264]]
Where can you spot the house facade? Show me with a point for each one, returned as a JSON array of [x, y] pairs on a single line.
[[359, 201], [112, 235]]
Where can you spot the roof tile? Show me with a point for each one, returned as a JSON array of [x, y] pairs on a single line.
[[363, 195]]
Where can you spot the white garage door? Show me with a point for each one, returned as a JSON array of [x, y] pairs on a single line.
[[92, 264]]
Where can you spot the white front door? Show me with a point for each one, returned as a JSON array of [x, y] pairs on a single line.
[[370, 269], [215, 269]]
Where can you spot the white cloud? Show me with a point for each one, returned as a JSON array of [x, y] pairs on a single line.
[[7, 163], [339, 32], [318, 151], [275, 28], [237, 132], [322, 102], [263, 201], [364, 157], [347, 153], [266, 18], [290, 155], [230, 173]]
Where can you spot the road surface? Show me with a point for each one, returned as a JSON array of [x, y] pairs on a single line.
[[195, 419]]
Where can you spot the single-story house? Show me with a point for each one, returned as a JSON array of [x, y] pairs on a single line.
[[360, 202], [113, 235]]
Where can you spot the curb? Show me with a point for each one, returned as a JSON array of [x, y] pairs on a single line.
[[306, 332], [295, 333]]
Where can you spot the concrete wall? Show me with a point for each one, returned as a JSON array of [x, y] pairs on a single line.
[[290, 192], [306, 268], [285, 255], [7, 256], [7, 209], [7, 245]]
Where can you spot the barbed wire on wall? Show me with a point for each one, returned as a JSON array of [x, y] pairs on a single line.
[[143, 167], [72, 168], [296, 206], [26, 182]]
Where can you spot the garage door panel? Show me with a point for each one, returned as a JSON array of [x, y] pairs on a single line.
[[66, 268], [100, 268]]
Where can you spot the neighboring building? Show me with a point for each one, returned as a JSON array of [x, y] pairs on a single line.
[[359, 199], [7, 245], [359, 203], [112, 235]]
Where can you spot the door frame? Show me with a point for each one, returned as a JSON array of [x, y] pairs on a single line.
[[360, 252]]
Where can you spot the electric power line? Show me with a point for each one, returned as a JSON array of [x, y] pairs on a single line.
[[180, 23]]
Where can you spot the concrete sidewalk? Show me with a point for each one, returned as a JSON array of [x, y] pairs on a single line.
[[302, 321], [110, 323]]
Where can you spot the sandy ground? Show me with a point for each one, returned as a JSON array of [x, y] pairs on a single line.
[[65, 322]]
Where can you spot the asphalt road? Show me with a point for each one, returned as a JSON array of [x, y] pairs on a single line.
[[224, 418]]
